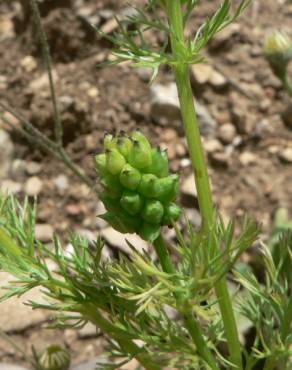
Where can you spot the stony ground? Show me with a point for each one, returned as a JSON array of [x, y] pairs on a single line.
[[240, 104]]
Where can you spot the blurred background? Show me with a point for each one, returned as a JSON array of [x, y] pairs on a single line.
[[245, 116]]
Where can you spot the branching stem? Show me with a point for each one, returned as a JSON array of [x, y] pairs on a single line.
[[190, 120]]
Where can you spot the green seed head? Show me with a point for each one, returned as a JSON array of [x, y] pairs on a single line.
[[54, 358], [153, 211], [115, 161], [138, 190], [131, 202], [130, 177]]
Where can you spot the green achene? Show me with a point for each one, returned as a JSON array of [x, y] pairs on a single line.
[[138, 191]]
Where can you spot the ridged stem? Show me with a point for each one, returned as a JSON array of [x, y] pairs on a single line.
[[197, 157]]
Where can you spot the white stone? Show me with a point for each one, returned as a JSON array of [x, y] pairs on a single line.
[[10, 187], [44, 232], [15, 316], [118, 240], [286, 155], [29, 63], [33, 186], [247, 158], [62, 183], [227, 133], [6, 153], [189, 186]]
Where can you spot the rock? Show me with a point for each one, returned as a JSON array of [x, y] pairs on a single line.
[[90, 365], [6, 28], [217, 80], [165, 109], [42, 82], [88, 331], [227, 133], [286, 155], [18, 168], [287, 116], [224, 38], [205, 73], [62, 183], [4, 366], [29, 64], [10, 187], [15, 315], [118, 240], [6, 153], [193, 216], [33, 168], [169, 135], [220, 158], [201, 73], [189, 187], [100, 210], [207, 123], [212, 145], [44, 232], [247, 158], [3, 83], [33, 186]]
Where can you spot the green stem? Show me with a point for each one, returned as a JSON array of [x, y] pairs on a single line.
[[287, 83], [92, 314], [190, 321], [197, 157]]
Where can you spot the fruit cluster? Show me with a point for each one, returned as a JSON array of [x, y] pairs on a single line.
[[138, 191]]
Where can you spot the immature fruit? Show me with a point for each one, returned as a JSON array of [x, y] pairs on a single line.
[[130, 177], [131, 202], [172, 213], [115, 161], [112, 186], [100, 164], [166, 188], [124, 145], [140, 155], [147, 186], [54, 357], [149, 232], [159, 165], [153, 211]]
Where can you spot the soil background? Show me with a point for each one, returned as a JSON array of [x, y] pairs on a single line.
[[248, 149]]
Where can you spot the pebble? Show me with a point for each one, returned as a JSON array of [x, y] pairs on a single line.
[[33, 186], [89, 330], [227, 133], [15, 315], [286, 155], [118, 240], [4, 366], [287, 116], [100, 210], [33, 168], [193, 216], [6, 153], [247, 158], [6, 28], [212, 145], [18, 168], [189, 186], [165, 109], [62, 183], [29, 64], [10, 187], [205, 73], [44, 232], [42, 82]]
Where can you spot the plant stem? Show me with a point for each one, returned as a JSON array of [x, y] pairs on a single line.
[[197, 157], [191, 323], [58, 128], [92, 314]]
